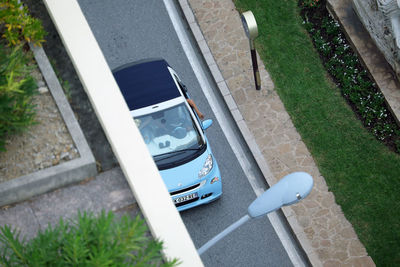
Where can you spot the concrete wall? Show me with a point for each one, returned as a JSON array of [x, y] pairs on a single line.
[[379, 19]]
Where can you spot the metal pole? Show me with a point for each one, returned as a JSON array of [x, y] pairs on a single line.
[[251, 30], [221, 235], [256, 73]]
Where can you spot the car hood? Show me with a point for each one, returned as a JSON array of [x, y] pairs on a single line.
[[186, 174]]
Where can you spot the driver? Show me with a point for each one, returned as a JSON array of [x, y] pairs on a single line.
[[193, 105]]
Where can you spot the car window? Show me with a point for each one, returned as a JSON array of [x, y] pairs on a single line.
[[169, 130]]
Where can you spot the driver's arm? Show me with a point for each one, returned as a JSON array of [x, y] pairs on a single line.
[[193, 105]]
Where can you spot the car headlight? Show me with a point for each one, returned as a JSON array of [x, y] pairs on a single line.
[[208, 164]]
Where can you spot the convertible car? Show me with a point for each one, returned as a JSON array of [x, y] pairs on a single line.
[[175, 136]]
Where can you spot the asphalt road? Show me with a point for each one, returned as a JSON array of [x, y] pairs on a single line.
[[132, 30]]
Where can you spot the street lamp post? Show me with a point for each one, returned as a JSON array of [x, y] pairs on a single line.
[[289, 190], [251, 30]]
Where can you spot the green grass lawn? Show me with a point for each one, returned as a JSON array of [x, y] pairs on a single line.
[[361, 172]]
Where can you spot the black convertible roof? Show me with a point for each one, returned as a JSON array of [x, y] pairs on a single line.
[[145, 83]]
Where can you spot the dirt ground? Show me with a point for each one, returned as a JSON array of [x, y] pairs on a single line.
[[43, 145], [78, 100]]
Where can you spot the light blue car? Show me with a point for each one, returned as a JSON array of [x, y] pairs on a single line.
[[170, 127]]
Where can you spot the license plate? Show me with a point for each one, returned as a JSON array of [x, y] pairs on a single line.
[[185, 198]]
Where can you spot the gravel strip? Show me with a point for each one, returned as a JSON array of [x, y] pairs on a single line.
[[45, 144]]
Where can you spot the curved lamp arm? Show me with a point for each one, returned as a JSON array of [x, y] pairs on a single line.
[[289, 190]]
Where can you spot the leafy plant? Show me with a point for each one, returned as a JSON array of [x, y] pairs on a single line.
[[85, 241], [18, 26], [352, 79], [17, 89], [309, 3]]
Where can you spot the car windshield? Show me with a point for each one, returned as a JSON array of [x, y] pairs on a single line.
[[169, 133]]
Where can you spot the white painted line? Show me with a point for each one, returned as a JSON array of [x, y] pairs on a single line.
[[205, 86], [227, 130], [125, 139]]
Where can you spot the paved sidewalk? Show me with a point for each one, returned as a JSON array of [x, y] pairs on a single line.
[[108, 191], [318, 222]]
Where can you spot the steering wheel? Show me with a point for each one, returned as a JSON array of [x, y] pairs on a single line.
[[179, 132]]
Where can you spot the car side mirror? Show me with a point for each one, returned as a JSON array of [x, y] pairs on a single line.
[[207, 123]]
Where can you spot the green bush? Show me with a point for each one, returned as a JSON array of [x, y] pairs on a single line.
[[18, 25], [309, 3], [17, 89], [350, 76], [86, 241]]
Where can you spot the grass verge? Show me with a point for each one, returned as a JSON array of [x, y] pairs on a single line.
[[361, 172]]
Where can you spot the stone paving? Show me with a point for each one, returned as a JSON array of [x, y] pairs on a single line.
[[318, 222], [109, 191]]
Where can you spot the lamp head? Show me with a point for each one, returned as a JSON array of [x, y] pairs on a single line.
[[289, 190], [250, 25]]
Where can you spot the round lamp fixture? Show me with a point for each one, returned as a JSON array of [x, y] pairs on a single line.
[[251, 30], [249, 24]]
